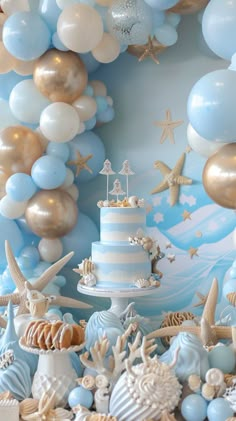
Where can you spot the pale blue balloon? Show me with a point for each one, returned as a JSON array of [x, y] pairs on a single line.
[[90, 62], [49, 11], [29, 257], [158, 18], [88, 143], [166, 34], [194, 408], [161, 4], [7, 118], [30, 239], [173, 19], [59, 150], [48, 172], [20, 187], [80, 396], [222, 357], [90, 124], [211, 104], [106, 115], [219, 27], [7, 83], [11, 232], [219, 410], [88, 90], [101, 103], [80, 239], [26, 102], [25, 35], [57, 42]]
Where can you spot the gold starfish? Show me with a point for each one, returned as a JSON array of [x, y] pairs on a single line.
[[208, 331], [172, 179], [168, 127], [202, 299], [20, 297], [81, 163], [150, 49], [186, 215], [193, 252]]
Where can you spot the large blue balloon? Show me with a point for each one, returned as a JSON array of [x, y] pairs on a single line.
[[88, 143], [219, 27], [48, 172], [11, 232], [211, 106], [26, 36]]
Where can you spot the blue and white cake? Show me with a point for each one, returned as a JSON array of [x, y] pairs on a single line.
[[121, 260]]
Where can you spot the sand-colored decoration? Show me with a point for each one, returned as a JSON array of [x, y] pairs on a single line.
[[45, 410], [231, 297], [172, 180], [194, 383], [208, 331], [81, 163], [202, 299], [166, 416], [37, 303], [148, 50], [229, 379], [28, 406], [168, 127], [9, 409], [23, 286], [198, 234], [6, 396], [174, 319]]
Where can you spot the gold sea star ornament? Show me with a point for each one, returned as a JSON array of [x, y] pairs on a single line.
[[172, 179], [168, 125], [81, 163], [148, 50]]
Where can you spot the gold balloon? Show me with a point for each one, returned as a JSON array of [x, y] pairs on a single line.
[[51, 213], [61, 76], [186, 7], [219, 176], [4, 175], [19, 149]]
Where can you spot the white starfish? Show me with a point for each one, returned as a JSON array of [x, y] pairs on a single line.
[[19, 298]]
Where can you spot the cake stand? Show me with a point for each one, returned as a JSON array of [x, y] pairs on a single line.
[[119, 298], [54, 373]]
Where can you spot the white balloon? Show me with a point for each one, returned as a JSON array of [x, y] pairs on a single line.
[[68, 180], [59, 122], [201, 145], [50, 250], [12, 209], [65, 3], [73, 191], [12, 6], [26, 102]]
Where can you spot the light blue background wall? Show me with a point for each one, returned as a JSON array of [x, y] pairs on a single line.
[[142, 92]]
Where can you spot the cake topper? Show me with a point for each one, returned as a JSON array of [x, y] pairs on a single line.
[[126, 170], [107, 170], [117, 189]]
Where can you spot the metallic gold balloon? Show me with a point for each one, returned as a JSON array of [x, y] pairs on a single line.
[[61, 76], [186, 7], [219, 176], [51, 213], [4, 175], [19, 149]]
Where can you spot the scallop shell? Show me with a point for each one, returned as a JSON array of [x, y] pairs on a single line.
[[59, 414], [231, 297], [28, 406], [208, 391], [166, 416], [142, 283], [194, 382]]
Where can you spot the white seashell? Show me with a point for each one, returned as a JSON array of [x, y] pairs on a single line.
[[142, 283], [133, 201], [101, 381], [141, 203], [88, 382], [215, 377], [28, 406], [208, 391], [106, 203], [100, 204], [89, 279]]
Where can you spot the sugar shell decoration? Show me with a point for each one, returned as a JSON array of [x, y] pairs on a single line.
[[85, 270], [14, 376]]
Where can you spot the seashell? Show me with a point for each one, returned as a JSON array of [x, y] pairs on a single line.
[[141, 203], [230, 379], [28, 406], [133, 201], [6, 396], [174, 319], [208, 391], [101, 417], [142, 283], [101, 381], [194, 382], [6, 359], [88, 382], [215, 377], [166, 416], [89, 280], [231, 297], [59, 414], [100, 204]]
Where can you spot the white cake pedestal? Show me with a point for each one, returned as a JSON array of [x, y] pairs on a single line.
[[119, 298]]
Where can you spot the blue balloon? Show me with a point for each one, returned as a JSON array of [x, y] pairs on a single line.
[[48, 172], [49, 11], [158, 18], [80, 396], [88, 143], [173, 19], [219, 410], [106, 116], [219, 27], [166, 34], [7, 83], [59, 150], [25, 35], [211, 104], [20, 187], [90, 62], [57, 42], [194, 408], [30, 239], [101, 103], [29, 257], [90, 124], [161, 4], [88, 90], [80, 239], [11, 232]]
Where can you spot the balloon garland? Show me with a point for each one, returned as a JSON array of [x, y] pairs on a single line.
[[50, 104]]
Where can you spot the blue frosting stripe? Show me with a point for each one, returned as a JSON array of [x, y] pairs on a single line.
[[124, 248], [128, 268]]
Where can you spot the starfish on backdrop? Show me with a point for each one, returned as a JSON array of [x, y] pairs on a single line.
[[172, 179], [186, 215], [168, 127], [81, 163], [23, 286], [193, 252], [202, 299], [208, 331], [148, 50]]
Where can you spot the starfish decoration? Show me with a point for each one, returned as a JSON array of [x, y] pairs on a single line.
[[168, 245], [186, 215], [171, 257], [168, 127], [23, 286], [150, 49], [188, 149], [46, 410], [208, 331], [172, 179], [81, 163], [193, 252], [202, 299]]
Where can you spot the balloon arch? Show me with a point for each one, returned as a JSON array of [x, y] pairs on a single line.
[[50, 104]]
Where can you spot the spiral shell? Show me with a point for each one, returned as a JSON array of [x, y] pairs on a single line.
[[231, 297], [88, 382], [28, 406], [174, 319], [101, 381], [215, 377]]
